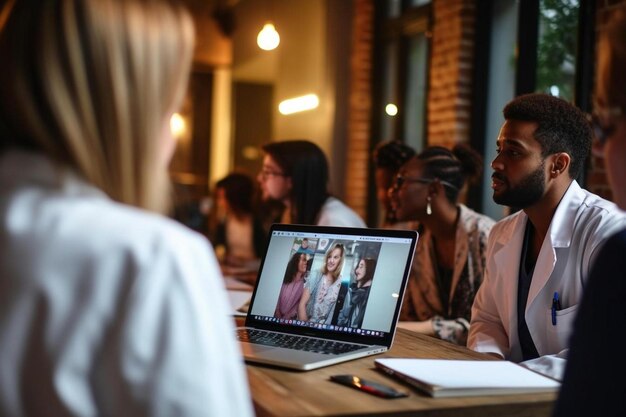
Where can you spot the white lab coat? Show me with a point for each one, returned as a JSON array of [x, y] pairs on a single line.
[[581, 223], [106, 309]]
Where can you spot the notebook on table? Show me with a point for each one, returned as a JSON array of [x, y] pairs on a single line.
[[456, 378], [336, 330]]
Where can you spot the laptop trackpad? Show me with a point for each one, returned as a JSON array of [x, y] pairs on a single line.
[[251, 349]]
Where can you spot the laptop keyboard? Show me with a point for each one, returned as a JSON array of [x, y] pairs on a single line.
[[327, 347]]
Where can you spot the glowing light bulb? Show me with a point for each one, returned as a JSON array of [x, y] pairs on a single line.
[[268, 38], [177, 125], [391, 109]]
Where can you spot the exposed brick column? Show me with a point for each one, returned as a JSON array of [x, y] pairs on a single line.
[[360, 96], [596, 180], [449, 98]]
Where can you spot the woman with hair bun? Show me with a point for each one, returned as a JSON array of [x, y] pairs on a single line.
[[450, 256]]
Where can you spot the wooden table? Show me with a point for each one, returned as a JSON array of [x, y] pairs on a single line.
[[278, 392]]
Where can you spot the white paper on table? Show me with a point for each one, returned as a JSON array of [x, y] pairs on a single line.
[[232, 283], [237, 300], [453, 374]]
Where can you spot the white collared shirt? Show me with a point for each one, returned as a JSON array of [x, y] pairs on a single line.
[[106, 309]]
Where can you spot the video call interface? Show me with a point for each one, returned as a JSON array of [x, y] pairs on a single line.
[[340, 283]]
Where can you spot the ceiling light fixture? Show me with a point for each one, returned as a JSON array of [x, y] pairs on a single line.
[[391, 109], [268, 38]]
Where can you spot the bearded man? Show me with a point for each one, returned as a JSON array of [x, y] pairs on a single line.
[[538, 258]]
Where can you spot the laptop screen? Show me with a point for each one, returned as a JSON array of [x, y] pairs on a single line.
[[342, 283]]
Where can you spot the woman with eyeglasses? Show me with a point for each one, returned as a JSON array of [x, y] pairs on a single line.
[[107, 308], [594, 382], [295, 173], [321, 290], [450, 255]]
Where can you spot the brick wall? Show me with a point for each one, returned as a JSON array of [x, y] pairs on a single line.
[[360, 98], [449, 98], [596, 175]]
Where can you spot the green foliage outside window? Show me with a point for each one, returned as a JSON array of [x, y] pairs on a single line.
[[556, 54]]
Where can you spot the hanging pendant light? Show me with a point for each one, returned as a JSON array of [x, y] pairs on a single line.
[[268, 37]]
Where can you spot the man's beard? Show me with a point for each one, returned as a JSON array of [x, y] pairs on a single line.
[[526, 193]]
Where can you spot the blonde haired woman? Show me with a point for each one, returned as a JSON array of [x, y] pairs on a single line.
[[321, 290], [106, 308]]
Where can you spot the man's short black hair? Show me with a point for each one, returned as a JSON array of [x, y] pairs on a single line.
[[562, 127]]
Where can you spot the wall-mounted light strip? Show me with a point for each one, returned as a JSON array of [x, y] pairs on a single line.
[[298, 104]]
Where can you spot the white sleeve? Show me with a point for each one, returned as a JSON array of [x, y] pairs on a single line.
[[336, 213], [178, 353], [486, 332], [549, 365]]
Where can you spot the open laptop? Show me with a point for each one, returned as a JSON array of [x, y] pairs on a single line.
[[331, 331]]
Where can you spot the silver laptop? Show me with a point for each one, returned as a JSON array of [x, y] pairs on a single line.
[[354, 281]]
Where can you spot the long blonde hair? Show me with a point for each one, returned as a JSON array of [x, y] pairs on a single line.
[[92, 83]]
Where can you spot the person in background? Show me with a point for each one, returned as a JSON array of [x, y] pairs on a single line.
[[296, 173], [322, 289], [293, 285], [107, 309], [193, 212], [539, 258], [594, 383], [305, 248], [450, 256], [388, 158], [353, 311], [239, 231]]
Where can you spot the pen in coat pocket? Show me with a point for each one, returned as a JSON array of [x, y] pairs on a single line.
[[556, 305]]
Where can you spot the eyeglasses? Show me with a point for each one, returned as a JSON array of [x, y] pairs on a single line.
[[602, 123], [401, 180], [266, 173]]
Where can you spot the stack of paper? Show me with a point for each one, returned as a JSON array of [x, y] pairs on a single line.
[[452, 378]]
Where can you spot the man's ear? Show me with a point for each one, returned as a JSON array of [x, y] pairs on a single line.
[[560, 164]]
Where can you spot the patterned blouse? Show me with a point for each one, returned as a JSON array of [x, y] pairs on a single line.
[[423, 299], [321, 305]]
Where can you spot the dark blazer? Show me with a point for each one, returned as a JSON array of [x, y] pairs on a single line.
[[595, 377]]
